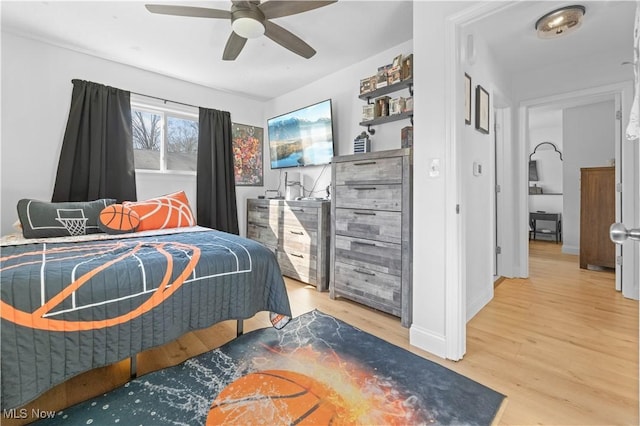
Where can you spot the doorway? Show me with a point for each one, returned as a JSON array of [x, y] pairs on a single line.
[[620, 155]]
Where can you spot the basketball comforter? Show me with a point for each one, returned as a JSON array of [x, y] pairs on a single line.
[[68, 307]]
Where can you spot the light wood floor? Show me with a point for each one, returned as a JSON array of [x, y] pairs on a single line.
[[562, 345]]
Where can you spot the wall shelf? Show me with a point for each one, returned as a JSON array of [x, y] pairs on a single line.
[[388, 119], [408, 83]]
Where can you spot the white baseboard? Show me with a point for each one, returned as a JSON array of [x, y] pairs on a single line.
[[428, 341], [480, 302], [570, 249]]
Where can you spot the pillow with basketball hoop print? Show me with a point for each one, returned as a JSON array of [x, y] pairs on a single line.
[[167, 211], [41, 219]]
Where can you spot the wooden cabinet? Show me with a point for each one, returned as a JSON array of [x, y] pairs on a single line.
[[597, 213], [371, 256], [297, 232]]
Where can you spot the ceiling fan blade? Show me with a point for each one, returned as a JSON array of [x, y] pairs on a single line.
[[288, 40], [197, 12], [279, 8], [234, 46], [245, 3]]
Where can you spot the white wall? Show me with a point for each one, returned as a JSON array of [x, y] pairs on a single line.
[[430, 201], [478, 191], [343, 87], [547, 160], [36, 92], [588, 134]]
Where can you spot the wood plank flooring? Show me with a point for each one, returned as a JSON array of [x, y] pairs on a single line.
[[562, 345]]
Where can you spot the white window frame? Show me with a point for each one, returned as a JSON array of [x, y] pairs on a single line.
[[159, 107]]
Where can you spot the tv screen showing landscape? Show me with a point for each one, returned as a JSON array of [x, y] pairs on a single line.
[[303, 137]]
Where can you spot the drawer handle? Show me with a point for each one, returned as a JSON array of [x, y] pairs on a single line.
[[365, 213], [259, 226], [262, 207], [365, 188], [362, 271], [297, 255], [362, 243], [364, 163], [297, 232], [298, 210]]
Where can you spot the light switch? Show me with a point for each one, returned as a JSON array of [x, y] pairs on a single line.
[[434, 167]]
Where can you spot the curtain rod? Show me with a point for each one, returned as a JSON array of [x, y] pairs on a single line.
[[164, 100]]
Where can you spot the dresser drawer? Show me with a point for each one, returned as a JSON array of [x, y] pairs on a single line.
[[375, 289], [263, 214], [378, 225], [377, 197], [372, 255], [298, 239], [301, 266], [264, 233], [388, 170], [302, 217]]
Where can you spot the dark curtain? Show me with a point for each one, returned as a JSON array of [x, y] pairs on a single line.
[[216, 186], [96, 160]]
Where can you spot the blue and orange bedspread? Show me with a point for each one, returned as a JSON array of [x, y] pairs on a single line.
[[68, 307]]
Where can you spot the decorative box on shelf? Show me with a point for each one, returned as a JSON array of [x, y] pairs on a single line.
[[406, 137], [367, 85], [368, 112], [381, 77], [407, 67], [397, 105], [408, 104], [382, 106]]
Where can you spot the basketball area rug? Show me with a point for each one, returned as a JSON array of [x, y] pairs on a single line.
[[317, 370]]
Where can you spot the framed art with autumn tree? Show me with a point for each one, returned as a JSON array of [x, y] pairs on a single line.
[[247, 154]]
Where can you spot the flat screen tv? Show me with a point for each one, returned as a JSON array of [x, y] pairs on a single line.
[[303, 137]]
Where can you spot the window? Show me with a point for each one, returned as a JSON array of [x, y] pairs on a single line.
[[164, 139]]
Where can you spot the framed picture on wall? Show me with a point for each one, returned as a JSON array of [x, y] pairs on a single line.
[[467, 98], [247, 154], [482, 109]]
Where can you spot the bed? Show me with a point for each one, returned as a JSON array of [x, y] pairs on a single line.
[[72, 304]]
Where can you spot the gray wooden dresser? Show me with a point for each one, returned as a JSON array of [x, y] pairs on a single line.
[[371, 254], [297, 232]]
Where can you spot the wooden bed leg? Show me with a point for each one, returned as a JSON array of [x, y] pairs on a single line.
[[239, 330], [133, 366]]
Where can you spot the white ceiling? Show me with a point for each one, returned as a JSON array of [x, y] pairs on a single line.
[[191, 48], [607, 29], [342, 33]]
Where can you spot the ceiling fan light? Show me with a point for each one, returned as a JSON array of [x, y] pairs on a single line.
[[560, 21], [247, 27]]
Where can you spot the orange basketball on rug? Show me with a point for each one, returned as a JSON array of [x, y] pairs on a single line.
[[277, 397], [118, 219]]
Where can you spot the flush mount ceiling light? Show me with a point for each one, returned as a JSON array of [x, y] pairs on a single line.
[[560, 21]]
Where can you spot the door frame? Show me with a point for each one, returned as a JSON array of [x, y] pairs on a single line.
[[621, 94]]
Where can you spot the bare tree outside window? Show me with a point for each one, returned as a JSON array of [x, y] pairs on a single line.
[[182, 144], [178, 146], [147, 131]]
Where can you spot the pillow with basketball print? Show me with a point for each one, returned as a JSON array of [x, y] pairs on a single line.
[[118, 219], [167, 211], [42, 219]]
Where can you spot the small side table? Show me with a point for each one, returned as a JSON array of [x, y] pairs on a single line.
[[556, 218]]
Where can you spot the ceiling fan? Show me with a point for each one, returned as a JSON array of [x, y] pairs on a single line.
[[251, 19]]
